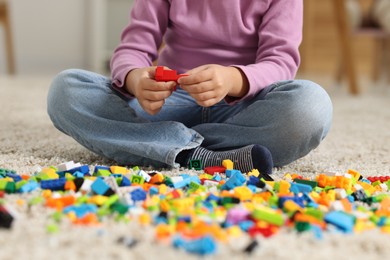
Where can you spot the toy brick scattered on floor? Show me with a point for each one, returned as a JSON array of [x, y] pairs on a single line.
[[195, 212]]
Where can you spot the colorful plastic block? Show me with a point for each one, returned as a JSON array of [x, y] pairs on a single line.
[[167, 75]]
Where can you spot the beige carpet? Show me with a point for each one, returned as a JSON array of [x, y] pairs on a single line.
[[359, 139]]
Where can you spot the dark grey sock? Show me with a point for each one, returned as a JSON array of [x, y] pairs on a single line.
[[245, 159]]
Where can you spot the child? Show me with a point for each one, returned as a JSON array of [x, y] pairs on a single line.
[[239, 100]]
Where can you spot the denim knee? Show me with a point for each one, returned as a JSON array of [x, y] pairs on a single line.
[[309, 117], [61, 94]]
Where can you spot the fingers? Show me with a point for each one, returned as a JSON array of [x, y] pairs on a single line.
[[197, 75], [152, 107], [154, 95]]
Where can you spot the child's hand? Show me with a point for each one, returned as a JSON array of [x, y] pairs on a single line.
[[209, 84], [151, 95]]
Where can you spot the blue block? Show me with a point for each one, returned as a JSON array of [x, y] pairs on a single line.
[[202, 246], [83, 168], [238, 179], [194, 178], [99, 186], [341, 220], [253, 180], [230, 173], [301, 187], [125, 182], [15, 177], [246, 225], [180, 184], [217, 177], [78, 174], [212, 197], [153, 191], [29, 186], [138, 195], [54, 185], [81, 210]]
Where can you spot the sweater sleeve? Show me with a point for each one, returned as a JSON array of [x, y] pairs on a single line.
[[140, 39], [277, 57]]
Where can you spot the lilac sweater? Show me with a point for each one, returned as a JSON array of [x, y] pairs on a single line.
[[261, 37]]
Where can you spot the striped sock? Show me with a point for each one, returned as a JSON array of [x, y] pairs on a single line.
[[245, 159]]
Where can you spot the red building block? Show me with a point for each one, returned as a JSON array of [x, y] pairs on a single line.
[[167, 75]]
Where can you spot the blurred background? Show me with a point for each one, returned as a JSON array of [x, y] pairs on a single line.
[[52, 35], [48, 36]]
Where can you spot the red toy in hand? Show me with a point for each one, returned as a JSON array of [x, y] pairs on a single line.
[[167, 75]]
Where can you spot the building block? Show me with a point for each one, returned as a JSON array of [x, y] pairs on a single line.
[[54, 185], [268, 215], [99, 186], [195, 164], [202, 246], [119, 169], [67, 166], [238, 179], [167, 75], [214, 169], [138, 195], [136, 179], [228, 164], [341, 220]]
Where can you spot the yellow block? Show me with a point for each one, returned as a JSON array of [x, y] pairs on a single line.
[[98, 199], [243, 193], [228, 164], [284, 187], [118, 170], [254, 172]]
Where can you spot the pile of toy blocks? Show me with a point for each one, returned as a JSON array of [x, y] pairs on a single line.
[[196, 211]]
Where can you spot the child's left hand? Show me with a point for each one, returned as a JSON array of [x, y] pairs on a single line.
[[209, 84]]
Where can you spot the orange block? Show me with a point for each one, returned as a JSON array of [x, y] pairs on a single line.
[[88, 219], [69, 185], [347, 205], [60, 203]]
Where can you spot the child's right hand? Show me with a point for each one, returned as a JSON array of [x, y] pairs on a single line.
[[151, 94]]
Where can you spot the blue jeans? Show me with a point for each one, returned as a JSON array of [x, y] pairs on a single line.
[[290, 118]]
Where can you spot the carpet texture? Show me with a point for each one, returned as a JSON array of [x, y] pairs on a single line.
[[359, 139]]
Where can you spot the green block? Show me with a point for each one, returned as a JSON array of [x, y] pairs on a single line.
[[277, 186], [43, 176], [302, 226], [82, 199], [3, 184], [313, 184], [57, 216], [380, 197], [388, 184], [268, 216], [111, 200], [20, 184], [69, 177], [168, 181], [196, 164], [136, 179], [119, 207], [103, 173], [10, 187], [328, 188], [318, 214], [52, 228]]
